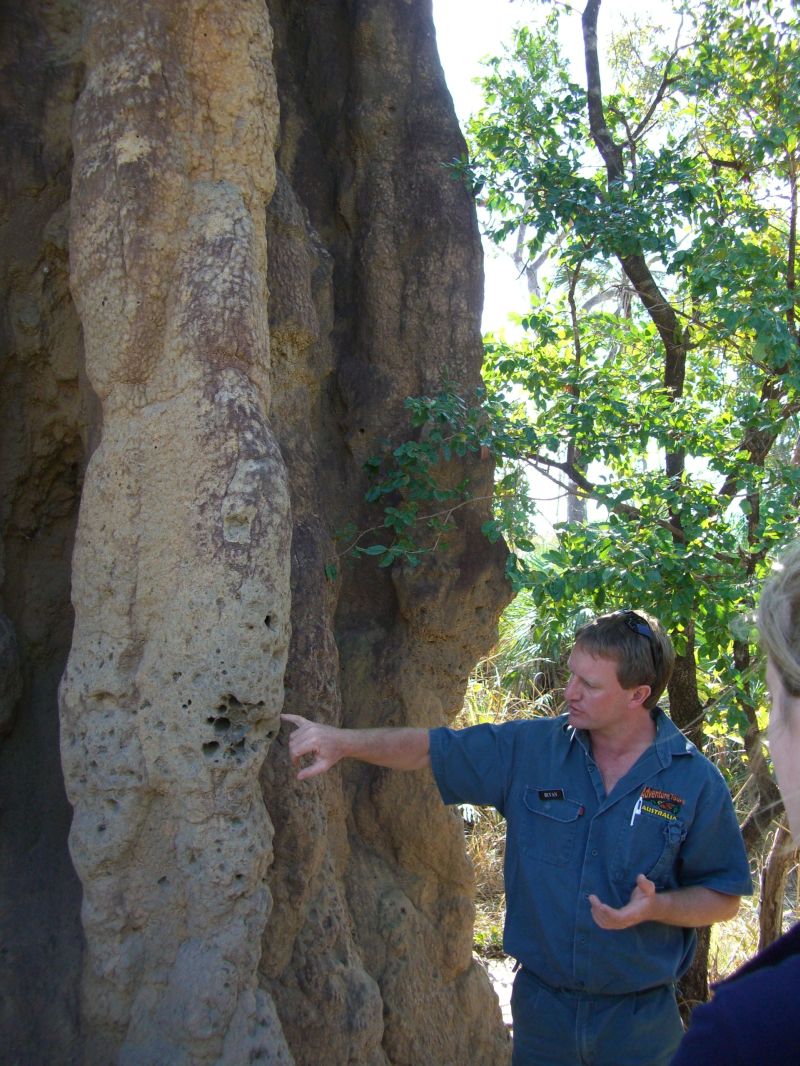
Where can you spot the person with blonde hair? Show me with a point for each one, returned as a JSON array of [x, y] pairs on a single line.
[[754, 1015], [621, 840]]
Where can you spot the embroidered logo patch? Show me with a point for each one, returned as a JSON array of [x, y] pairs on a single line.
[[663, 804], [551, 794]]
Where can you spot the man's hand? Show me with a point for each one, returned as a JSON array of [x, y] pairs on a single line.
[[395, 748], [638, 909], [691, 907], [324, 742]]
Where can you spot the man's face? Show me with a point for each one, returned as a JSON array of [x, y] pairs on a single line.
[[594, 697]]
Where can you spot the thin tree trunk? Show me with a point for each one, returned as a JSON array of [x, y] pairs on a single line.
[[576, 502], [686, 711], [782, 856], [685, 707], [693, 986]]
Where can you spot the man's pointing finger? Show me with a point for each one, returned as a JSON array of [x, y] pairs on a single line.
[[295, 719]]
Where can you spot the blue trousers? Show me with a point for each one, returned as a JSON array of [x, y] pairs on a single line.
[[554, 1027]]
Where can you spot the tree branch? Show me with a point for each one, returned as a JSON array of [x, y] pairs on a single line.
[[660, 93], [757, 443], [635, 265], [601, 135], [592, 491]]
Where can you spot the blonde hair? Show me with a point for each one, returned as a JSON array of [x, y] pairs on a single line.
[[779, 618]]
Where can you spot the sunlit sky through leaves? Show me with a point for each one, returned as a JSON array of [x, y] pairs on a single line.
[[468, 31]]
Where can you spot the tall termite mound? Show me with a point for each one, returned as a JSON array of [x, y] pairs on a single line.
[[232, 249]]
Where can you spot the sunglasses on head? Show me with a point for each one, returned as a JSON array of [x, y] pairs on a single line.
[[637, 624]]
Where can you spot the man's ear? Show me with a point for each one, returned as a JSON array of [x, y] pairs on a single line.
[[640, 694]]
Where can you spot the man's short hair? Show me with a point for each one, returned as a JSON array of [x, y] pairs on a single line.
[[639, 645]]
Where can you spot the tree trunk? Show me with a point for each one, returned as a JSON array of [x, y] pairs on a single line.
[[685, 707], [231, 250], [693, 986], [782, 856], [686, 712]]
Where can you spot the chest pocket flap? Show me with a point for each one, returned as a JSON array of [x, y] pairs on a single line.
[[548, 827]]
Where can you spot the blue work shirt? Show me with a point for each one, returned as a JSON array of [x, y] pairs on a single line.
[[670, 817]]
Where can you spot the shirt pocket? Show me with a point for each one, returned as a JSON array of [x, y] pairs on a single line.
[[650, 847], [548, 828]]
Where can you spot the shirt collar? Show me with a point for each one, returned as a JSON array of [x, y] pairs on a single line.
[[669, 741]]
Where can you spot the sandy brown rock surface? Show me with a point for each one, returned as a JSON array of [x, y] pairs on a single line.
[[232, 250]]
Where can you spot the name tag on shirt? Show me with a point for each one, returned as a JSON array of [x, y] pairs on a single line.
[[551, 794]]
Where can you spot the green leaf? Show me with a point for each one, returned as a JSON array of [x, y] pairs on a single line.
[[374, 549]]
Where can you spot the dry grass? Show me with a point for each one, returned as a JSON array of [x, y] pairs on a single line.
[[485, 830], [486, 845], [736, 941], [733, 942]]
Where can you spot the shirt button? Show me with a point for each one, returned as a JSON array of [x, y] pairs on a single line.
[[594, 851]]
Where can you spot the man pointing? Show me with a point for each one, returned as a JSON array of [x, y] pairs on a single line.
[[621, 840]]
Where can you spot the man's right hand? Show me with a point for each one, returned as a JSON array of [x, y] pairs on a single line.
[[324, 742], [395, 748]]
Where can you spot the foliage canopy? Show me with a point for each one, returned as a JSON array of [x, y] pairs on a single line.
[[656, 380]]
